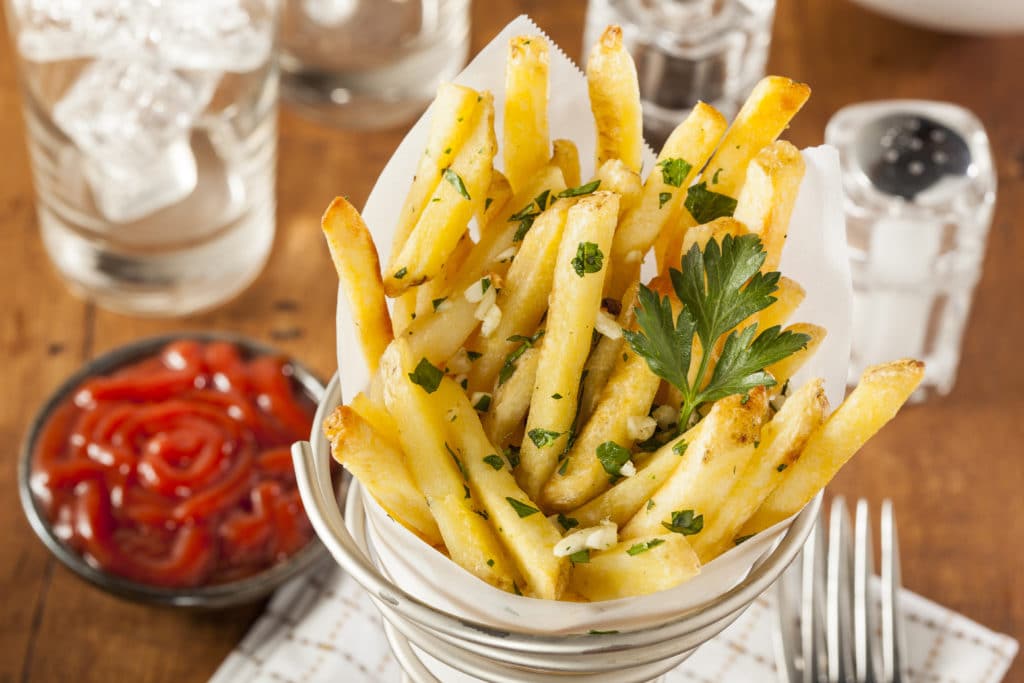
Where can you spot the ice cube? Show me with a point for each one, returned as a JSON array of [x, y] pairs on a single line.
[[125, 193], [54, 30], [216, 35], [125, 113]]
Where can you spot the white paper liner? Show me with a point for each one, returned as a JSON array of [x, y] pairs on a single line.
[[814, 255]]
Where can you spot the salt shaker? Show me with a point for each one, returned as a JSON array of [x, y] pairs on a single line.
[[688, 51], [920, 190]]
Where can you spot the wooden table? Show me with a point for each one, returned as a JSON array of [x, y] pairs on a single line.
[[955, 466]]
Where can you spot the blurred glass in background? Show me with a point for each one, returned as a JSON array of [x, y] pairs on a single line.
[[152, 135], [920, 191], [688, 51], [370, 63]]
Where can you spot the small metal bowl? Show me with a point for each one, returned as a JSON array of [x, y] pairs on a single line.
[[215, 596]]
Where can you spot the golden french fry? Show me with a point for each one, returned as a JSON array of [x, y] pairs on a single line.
[[782, 439], [684, 154], [784, 369], [451, 119], [616, 177], [566, 156], [403, 310], [769, 192], [527, 534], [523, 299], [615, 100], [635, 567], [622, 501], [459, 196], [678, 244], [768, 110], [470, 540], [605, 355], [788, 298], [511, 399], [355, 258], [380, 467], [431, 294], [525, 138], [499, 194], [627, 396], [875, 401], [377, 416], [575, 298], [709, 468]]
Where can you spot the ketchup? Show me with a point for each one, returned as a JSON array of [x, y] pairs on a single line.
[[175, 471]]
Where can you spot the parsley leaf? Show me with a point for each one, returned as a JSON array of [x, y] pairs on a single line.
[[580, 557], [456, 182], [567, 522], [529, 213], [612, 457], [581, 190], [685, 522], [705, 205], [680, 447], [522, 509], [742, 539], [719, 288], [644, 546], [663, 197], [458, 462], [495, 461], [512, 455], [427, 376], [509, 366], [483, 404], [588, 259], [436, 303], [543, 438], [674, 171], [400, 273]]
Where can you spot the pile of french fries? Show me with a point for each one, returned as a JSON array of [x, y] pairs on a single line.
[[501, 371]]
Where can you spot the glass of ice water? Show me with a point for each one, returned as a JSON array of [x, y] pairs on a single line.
[[152, 134], [369, 63]]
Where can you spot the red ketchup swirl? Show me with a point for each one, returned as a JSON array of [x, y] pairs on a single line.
[[175, 471]]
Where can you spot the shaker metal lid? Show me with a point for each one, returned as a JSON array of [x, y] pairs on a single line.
[[906, 154]]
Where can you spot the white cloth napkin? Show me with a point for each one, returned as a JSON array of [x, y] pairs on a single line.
[[323, 628]]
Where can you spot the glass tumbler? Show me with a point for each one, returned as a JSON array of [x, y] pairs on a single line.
[[152, 135], [688, 51], [369, 63]]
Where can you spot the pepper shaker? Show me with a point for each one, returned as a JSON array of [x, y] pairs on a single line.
[[920, 190]]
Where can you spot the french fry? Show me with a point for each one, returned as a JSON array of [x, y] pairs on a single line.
[[622, 501], [709, 468], [575, 298], [616, 177], [615, 100], [404, 310], [523, 299], [377, 416], [679, 243], [769, 192], [499, 194], [768, 110], [355, 259], [438, 335], [788, 298], [784, 369], [528, 536], [525, 137], [429, 294], [636, 567], [685, 152], [628, 394], [511, 400], [879, 395], [458, 197], [470, 540], [782, 440], [605, 355], [566, 156], [451, 119], [380, 466]]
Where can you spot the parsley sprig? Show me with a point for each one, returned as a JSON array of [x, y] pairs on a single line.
[[719, 288]]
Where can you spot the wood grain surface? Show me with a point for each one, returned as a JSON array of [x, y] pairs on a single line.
[[954, 466]]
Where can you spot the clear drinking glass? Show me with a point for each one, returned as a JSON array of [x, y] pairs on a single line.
[[369, 63], [152, 134], [688, 51], [920, 190]]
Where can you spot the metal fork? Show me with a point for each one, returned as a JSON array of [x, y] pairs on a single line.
[[828, 626]]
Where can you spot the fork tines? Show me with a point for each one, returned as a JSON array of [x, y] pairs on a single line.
[[830, 628]]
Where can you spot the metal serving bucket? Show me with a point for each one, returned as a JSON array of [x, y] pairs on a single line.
[[507, 656]]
